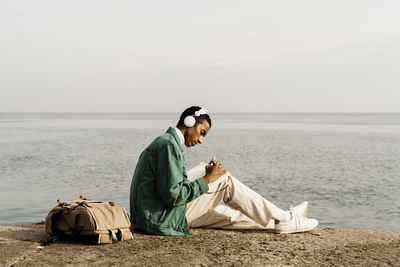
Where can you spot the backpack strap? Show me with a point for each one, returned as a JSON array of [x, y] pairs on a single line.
[[113, 235], [120, 235]]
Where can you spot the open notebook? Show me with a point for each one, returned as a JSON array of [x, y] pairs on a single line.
[[197, 171]]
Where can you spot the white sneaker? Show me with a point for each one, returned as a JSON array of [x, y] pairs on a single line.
[[300, 209], [296, 224]]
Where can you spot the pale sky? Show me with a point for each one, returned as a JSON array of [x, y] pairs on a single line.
[[228, 56]]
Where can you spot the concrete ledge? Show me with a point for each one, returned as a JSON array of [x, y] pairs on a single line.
[[207, 247]]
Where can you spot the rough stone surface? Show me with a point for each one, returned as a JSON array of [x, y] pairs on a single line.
[[207, 247]]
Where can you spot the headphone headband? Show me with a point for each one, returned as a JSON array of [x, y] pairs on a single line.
[[200, 112]]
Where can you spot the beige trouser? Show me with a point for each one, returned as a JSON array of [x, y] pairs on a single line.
[[229, 204]]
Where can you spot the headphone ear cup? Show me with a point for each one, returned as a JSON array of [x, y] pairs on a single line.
[[189, 121]]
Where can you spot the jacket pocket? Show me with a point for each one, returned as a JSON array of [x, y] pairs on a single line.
[[160, 215]]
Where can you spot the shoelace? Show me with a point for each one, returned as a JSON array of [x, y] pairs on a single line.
[[299, 220]]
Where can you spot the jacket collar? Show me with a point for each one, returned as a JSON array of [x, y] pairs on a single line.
[[180, 135], [172, 132]]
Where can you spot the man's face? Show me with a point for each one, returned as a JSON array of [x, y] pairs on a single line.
[[194, 135]]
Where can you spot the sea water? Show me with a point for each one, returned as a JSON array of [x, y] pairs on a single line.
[[346, 165]]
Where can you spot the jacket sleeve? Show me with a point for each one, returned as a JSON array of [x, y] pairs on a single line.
[[171, 184]]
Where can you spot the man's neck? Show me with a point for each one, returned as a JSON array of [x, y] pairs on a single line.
[[182, 129]]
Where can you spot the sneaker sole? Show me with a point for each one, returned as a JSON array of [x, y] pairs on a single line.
[[293, 231], [296, 231]]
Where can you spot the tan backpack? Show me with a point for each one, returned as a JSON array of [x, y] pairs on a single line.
[[106, 222]]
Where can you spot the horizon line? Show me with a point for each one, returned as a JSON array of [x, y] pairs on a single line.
[[214, 112]]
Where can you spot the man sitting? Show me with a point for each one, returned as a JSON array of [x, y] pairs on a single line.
[[164, 201]]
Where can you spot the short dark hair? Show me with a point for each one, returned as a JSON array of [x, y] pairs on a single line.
[[190, 112]]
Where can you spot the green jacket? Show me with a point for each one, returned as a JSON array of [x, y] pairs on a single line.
[[160, 189]]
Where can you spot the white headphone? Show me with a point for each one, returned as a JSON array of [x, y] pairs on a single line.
[[190, 120]]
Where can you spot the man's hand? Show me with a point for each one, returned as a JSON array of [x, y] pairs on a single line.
[[214, 170]]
